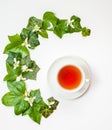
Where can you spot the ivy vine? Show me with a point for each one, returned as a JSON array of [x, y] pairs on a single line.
[[20, 67]]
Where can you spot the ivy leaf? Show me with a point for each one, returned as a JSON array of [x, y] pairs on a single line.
[[32, 22], [85, 32], [33, 40], [11, 56], [61, 28], [17, 87], [12, 73], [76, 23], [14, 42], [35, 114], [37, 95], [25, 33], [46, 112], [9, 47], [27, 111], [50, 17], [32, 66], [21, 107], [10, 77], [47, 25], [43, 33], [16, 46], [15, 39], [11, 99], [29, 75], [26, 61], [53, 103], [20, 49]]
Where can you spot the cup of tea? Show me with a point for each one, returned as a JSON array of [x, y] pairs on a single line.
[[69, 77]]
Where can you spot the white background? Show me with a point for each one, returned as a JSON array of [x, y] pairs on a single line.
[[93, 111]]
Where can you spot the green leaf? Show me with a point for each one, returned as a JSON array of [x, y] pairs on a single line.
[[25, 33], [61, 28], [15, 39], [53, 103], [29, 75], [21, 107], [9, 47], [35, 114], [43, 33], [33, 40], [16, 48], [27, 111], [11, 99], [50, 17], [12, 73], [47, 25], [10, 77], [20, 49], [26, 61], [30, 63], [11, 56], [85, 32], [76, 23], [32, 66], [32, 22], [31, 36], [47, 112], [17, 87], [37, 94]]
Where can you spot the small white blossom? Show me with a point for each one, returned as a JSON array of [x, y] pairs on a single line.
[[30, 100], [25, 43], [27, 93], [16, 63], [36, 28], [70, 23], [50, 103], [26, 69], [20, 77]]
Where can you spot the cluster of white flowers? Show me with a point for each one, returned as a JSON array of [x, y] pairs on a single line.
[[29, 99]]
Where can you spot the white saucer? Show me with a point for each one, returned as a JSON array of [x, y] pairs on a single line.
[[55, 87]]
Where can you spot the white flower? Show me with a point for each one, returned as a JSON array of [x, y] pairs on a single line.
[[70, 23], [25, 43], [30, 100], [27, 93], [50, 103], [36, 28], [26, 69], [20, 77], [16, 63]]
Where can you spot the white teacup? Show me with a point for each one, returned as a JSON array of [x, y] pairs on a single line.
[[53, 82]]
